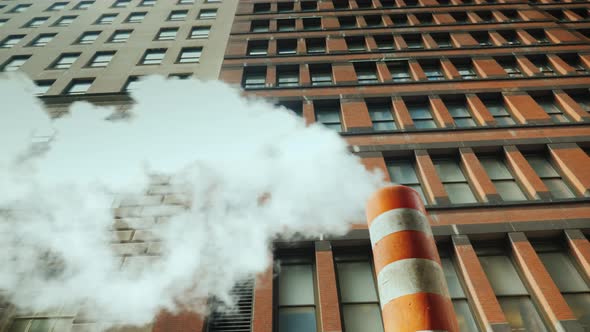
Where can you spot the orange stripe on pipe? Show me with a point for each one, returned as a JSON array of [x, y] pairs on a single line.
[[402, 245], [393, 197], [417, 312]]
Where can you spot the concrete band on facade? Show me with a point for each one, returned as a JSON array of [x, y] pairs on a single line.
[[412, 287]]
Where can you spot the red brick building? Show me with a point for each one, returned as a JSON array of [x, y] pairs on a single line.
[[482, 106]]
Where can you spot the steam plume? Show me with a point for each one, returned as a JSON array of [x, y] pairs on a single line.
[[245, 172]]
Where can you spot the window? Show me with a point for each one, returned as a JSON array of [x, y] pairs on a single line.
[[20, 8], [257, 47], [443, 40], [403, 171], [309, 5], [457, 107], [574, 61], [147, 3], [460, 303], [65, 61], [502, 178], [582, 98], [286, 25], [347, 22], [543, 65], [312, 23], [549, 175], [315, 45], [460, 17], [177, 15], [131, 83], [79, 86], [190, 55], [43, 39], [285, 7], [420, 114], [400, 71], [356, 43], [384, 42], [296, 106], [36, 22], [486, 16], [200, 32], [327, 112], [510, 36], [88, 37], [321, 74], [207, 14], [514, 299], [366, 72], [287, 46], [424, 18], [567, 277], [120, 36], [465, 69], [399, 19], [361, 311], [511, 15], [547, 103], [153, 57], [259, 26], [15, 62], [373, 21], [101, 59], [340, 4], [54, 320], [186, 2], [57, 6], [11, 41], [135, 17], [287, 76], [454, 180], [387, 3], [482, 38], [83, 5], [495, 105], [106, 19], [167, 34], [558, 14], [510, 66], [41, 87], [121, 3], [432, 71], [65, 21], [261, 7], [539, 35], [381, 114], [254, 77], [296, 294], [411, 3], [364, 4], [181, 76], [2, 21], [413, 41]]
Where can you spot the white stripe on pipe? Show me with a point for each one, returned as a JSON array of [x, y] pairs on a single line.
[[398, 220], [411, 276]]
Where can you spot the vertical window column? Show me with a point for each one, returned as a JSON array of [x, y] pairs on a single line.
[[454, 181], [296, 298], [361, 311], [510, 291]]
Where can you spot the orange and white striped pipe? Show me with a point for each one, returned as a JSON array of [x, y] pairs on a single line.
[[412, 288]]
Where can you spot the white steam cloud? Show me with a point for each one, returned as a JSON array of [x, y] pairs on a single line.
[[246, 170]]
